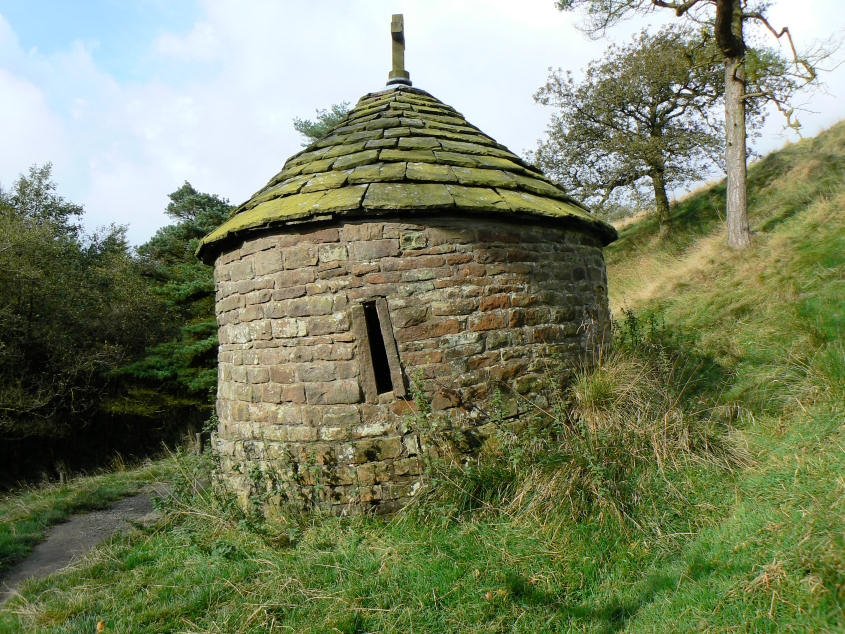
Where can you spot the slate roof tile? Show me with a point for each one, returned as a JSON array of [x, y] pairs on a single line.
[[401, 150]]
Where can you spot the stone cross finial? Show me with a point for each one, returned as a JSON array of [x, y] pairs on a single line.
[[397, 32]]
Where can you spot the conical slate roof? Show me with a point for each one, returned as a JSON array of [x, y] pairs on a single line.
[[400, 151]]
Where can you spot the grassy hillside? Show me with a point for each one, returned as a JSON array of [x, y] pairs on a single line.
[[695, 481], [772, 317]]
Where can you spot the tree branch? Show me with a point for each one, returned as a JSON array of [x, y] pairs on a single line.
[[796, 58], [679, 7]]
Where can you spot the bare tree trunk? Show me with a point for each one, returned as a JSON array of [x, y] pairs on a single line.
[[735, 154], [661, 200], [729, 36]]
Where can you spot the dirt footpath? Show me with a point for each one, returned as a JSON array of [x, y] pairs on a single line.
[[80, 534]]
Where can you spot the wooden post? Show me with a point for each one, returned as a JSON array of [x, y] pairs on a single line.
[[397, 33]]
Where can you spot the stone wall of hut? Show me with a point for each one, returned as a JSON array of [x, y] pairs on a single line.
[[464, 304]]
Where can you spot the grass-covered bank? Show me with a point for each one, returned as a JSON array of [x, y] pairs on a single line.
[[26, 514], [774, 316], [717, 504]]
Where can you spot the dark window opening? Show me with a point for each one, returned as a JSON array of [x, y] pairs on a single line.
[[378, 351]]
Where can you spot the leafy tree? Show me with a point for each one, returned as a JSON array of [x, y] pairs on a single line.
[[72, 308], [726, 22], [185, 361], [101, 347], [326, 119], [33, 197], [643, 113]]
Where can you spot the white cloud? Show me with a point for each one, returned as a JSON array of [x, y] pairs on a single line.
[[217, 102], [29, 133], [200, 44]]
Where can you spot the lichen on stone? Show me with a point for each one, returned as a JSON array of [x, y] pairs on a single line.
[[401, 149]]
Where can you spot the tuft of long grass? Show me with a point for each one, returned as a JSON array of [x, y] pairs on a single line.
[[596, 452]]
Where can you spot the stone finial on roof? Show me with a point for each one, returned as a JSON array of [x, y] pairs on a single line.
[[397, 32]]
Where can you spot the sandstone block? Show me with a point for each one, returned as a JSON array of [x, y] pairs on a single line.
[[376, 449], [362, 232], [417, 275], [288, 293], [293, 394], [372, 429], [300, 256], [458, 258], [229, 303], [250, 313], [414, 288], [314, 372], [260, 330], [454, 307], [286, 279], [266, 262], [236, 333], [271, 393], [497, 339], [410, 240], [332, 252], [281, 373], [487, 321], [332, 433], [288, 328], [495, 302], [410, 316], [429, 329], [345, 418], [307, 306], [258, 374], [413, 359], [241, 270], [333, 392], [329, 324], [259, 296], [301, 433], [373, 249]]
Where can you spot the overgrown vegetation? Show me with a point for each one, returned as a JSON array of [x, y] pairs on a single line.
[[102, 348], [608, 447], [714, 502]]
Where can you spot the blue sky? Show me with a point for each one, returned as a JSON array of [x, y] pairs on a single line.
[[128, 99], [117, 32]]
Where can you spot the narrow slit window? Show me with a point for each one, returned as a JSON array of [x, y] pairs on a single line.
[[378, 350]]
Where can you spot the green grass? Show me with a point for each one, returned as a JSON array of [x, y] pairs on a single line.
[[27, 514], [756, 546]]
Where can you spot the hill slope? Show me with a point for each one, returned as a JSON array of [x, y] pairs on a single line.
[[773, 317], [755, 342]]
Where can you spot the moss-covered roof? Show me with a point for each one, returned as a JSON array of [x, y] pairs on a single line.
[[402, 151]]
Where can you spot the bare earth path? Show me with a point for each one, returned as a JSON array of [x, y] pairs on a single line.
[[80, 534]]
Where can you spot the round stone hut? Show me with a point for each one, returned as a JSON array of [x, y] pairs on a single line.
[[406, 247]]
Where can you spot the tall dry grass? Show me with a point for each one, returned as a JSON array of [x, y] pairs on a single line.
[[596, 451]]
